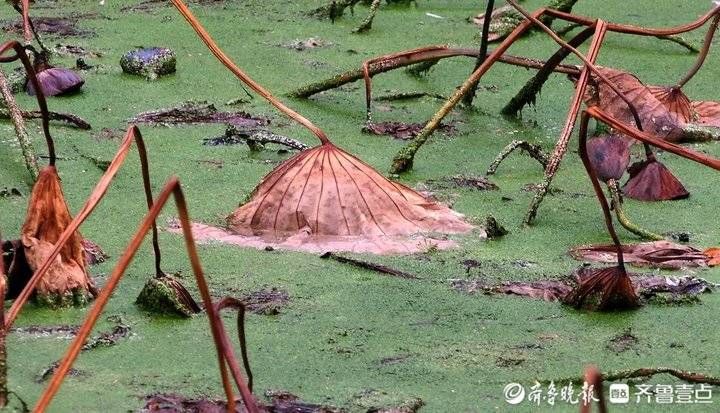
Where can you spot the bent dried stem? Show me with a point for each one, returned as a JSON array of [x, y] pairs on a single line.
[[67, 118], [225, 355], [534, 151], [21, 55], [528, 94], [367, 23], [613, 283], [622, 217], [397, 60], [593, 378], [564, 139], [703, 53], [132, 135]]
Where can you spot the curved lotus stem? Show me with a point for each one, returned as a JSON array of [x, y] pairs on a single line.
[[132, 135], [230, 302], [622, 216], [703, 53], [598, 189], [225, 356], [225, 60], [384, 58], [21, 55], [640, 31]]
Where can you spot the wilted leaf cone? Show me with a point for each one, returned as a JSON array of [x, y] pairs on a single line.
[[327, 191], [67, 282]]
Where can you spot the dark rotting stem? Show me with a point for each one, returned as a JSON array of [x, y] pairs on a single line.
[[482, 54]]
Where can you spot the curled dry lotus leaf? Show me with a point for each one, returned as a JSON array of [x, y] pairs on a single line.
[[651, 181], [609, 156], [67, 282], [657, 254], [656, 118], [57, 81]]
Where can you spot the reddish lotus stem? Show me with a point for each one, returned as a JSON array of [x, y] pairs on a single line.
[[39, 95], [598, 189], [26, 20], [640, 31], [132, 135], [594, 379], [366, 69], [703, 53], [172, 187], [225, 60]]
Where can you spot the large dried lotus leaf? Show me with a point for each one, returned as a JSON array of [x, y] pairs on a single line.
[[325, 191]]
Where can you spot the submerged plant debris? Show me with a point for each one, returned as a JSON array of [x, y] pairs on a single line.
[[59, 26], [278, 402], [658, 289], [402, 130], [267, 301], [658, 254], [196, 113], [478, 183]]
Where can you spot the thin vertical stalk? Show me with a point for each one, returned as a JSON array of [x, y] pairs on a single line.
[[26, 146], [482, 55]]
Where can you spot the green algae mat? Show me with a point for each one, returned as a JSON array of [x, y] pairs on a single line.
[[336, 334]]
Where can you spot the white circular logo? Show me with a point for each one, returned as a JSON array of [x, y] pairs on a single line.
[[514, 393]]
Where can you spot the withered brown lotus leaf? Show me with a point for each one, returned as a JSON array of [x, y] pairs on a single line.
[[708, 113], [650, 180], [677, 104], [67, 281], [327, 192], [657, 254], [612, 286], [656, 118], [609, 156], [57, 81]]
